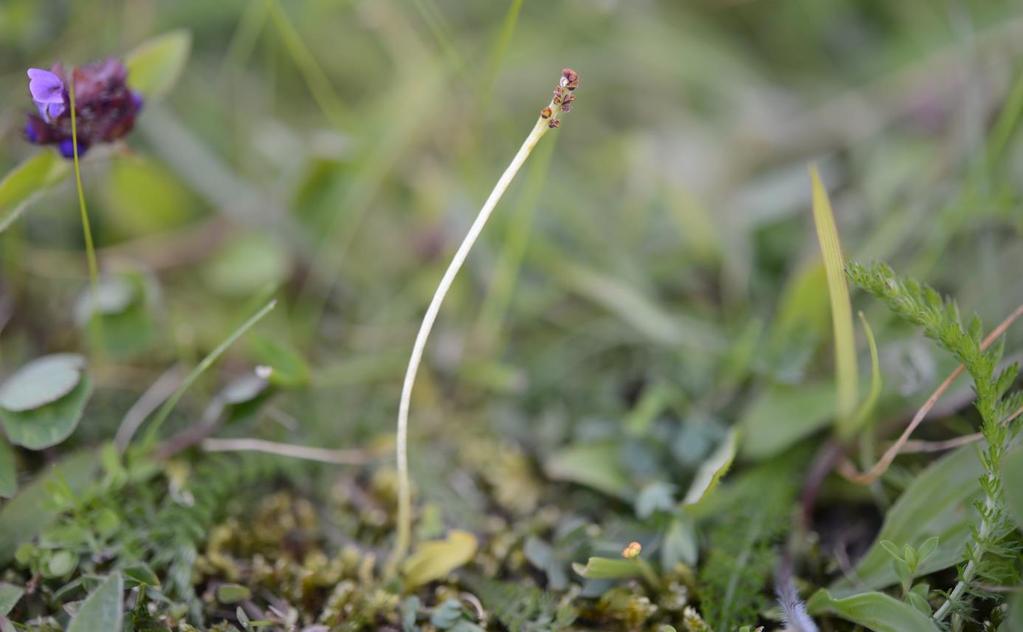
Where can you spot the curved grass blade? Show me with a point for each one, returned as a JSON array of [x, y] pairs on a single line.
[[207, 362], [846, 372]]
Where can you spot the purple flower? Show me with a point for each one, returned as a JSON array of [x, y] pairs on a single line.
[[47, 91], [105, 108]]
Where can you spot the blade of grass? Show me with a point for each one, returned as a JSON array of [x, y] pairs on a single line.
[[319, 84], [500, 48], [439, 29], [846, 372], [866, 407], [96, 322], [205, 363]]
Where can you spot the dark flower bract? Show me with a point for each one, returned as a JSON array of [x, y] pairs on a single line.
[[105, 107]]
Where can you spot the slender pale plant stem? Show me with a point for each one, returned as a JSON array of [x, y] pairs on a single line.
[[336, 457], [402, 541], [549, 118], [96, 320]]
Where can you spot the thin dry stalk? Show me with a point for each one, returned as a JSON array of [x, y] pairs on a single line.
[[848, 470]]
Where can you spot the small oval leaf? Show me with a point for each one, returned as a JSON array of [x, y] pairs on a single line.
[[435, 559], [154, 67], [232, 593], [609, 568], [103, 609], [595, 465], [42, 381], [47, 425]]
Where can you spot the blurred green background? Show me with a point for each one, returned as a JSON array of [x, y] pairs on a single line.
[[657, 248]]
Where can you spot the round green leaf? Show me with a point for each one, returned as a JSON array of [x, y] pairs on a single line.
[[61, 564], [42, 381], [48, 425]]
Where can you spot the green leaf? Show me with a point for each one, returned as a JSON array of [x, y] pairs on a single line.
[[846, 372], [866, 407], [609, 568], [246, 265], [680, 545], [435, 559], [232, 593], [1014, 617], [937, 503], [712, 470], [103, 609], [779, 416], [595, 465], [9, 597], [28, 513], [42, 381], [1012, 470], [48, 425], [60, 564], [26, 181], [8, 475], [199, 369], [288, 367], [873, 610], [144, 197], [154, 67], [140, 574]]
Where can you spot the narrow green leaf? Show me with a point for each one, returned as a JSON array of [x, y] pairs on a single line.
[[712, 469], [873, 610], [609, 568], [846, 372], [937, 503], [595, 465], [866, 408], [1012, 470], [140, 574], [232, 593], [26, 181], [1014, 617], [103, 609], [435, 559], [154, 67], [8, 475]]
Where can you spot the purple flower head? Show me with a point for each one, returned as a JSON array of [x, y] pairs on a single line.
[[105, 108], [47, 91]]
